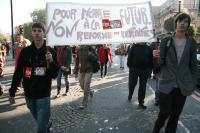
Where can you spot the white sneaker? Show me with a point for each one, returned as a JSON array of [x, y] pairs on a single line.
[[82, 106], [58, 95]]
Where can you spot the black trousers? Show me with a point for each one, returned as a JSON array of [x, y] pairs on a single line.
[[171, 106], [103, 66], [143, 75]]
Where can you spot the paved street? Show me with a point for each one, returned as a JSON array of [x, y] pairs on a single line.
[[108, 112]]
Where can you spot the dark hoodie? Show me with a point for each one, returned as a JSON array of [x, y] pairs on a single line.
[[140, 57], [32, 70]]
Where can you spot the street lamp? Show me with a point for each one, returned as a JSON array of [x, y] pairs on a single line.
[[179, 6], [12, 36]]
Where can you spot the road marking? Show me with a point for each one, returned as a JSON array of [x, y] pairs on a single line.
[[196, 96], [197, 93], [179, 122], [185, 128]]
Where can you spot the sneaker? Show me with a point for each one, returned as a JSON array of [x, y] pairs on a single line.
[[142, 106], [82, 106], [65, 94], [49, 127], [58, 95]]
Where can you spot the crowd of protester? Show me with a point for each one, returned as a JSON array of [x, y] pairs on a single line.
[[35, 62]]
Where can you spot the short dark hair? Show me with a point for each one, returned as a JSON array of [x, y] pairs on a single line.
[[182, 16], [38, 25]]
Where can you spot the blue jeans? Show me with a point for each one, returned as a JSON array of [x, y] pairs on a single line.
[[59, 77], [121, 58], [40, 109]]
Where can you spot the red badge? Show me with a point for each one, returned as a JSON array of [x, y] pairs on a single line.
[[28, 71], [106, 24]]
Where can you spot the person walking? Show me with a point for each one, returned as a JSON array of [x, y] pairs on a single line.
[[178, 61], [121, 52], [140, 63], [86, 55], [36, 68], [20, 43], [2, 58], [64, 60], [104, 55]]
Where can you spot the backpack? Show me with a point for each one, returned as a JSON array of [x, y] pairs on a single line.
[[96, 66]]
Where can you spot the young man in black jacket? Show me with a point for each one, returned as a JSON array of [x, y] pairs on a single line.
[[140, 63], [36, 68]]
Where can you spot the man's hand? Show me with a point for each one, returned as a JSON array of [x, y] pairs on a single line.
[[49, 57], [156, 53], [12, 100]]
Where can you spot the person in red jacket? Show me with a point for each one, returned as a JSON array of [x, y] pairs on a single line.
[[104, 56]]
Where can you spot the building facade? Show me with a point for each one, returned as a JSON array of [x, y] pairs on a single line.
[[171, 7]]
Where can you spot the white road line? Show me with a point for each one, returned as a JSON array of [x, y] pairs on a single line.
[[179, 122], [185, 128], [197, 93], [196, 96]]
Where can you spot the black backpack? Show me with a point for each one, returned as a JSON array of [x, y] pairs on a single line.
[[96, 66]]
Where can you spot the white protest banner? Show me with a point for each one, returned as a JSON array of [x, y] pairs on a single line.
[[72, 23]]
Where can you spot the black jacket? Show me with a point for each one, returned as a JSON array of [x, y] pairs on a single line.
[[33, 72], [140, 57]]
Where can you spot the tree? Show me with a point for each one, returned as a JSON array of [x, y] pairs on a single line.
[[39, 15], [192, 30], [27, 30], [2, 37]]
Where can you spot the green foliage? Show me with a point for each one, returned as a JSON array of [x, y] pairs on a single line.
[[169, 24], [2, 37], [192, 30], [27, 31], [39, 15]]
